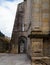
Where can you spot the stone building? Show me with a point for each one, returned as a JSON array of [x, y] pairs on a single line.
[[4, 43], [18, 30], [31, 32]]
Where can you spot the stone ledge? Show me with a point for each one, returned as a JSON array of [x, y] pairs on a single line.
[[38, 58]]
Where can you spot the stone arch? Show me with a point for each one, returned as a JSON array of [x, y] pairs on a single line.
[[22, 44]]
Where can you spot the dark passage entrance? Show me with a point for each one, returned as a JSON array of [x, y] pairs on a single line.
[[22, 44]]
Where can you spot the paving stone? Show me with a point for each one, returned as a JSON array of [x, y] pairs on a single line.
[[14, 59]]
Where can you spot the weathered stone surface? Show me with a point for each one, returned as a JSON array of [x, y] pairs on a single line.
[[33, 17], [14, 59]]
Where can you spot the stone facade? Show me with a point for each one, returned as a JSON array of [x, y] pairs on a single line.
[[18, 29], [32, 29]]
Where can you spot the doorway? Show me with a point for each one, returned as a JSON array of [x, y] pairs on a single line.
[[22, 44]]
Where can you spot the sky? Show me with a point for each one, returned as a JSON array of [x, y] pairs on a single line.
[[8, 10]]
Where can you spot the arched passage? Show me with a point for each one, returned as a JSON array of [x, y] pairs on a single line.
[[22, 44]]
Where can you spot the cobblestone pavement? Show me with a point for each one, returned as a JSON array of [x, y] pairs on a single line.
[[14, 59]]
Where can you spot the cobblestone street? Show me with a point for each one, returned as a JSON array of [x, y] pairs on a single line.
[[14, 59]]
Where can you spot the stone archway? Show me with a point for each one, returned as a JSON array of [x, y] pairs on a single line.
[[22, 44]]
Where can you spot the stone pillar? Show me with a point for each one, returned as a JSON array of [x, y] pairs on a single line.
[[38, 50]]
